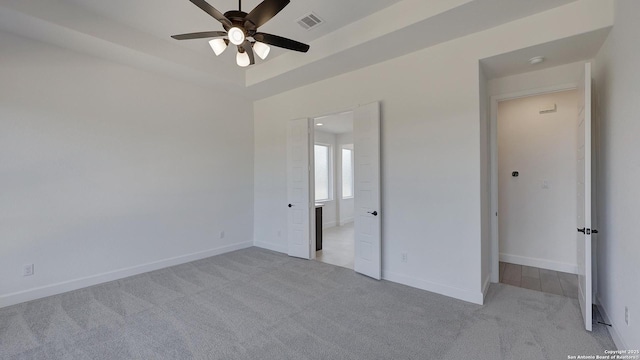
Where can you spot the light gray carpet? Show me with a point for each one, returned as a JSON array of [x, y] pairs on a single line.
[[256, 304]]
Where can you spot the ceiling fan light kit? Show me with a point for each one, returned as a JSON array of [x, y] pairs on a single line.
[[218, 46], [241, 30], [261, 49], [242, 58], [236, 36]]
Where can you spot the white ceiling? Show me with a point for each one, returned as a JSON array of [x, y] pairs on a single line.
[[341, 123], [137, 33], [163, 18], [564, 51]]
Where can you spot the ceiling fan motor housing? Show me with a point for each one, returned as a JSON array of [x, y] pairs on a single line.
[[238, 19]]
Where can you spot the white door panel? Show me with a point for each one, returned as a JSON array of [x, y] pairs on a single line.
[[584, 198], [367, 214], [298, 188]]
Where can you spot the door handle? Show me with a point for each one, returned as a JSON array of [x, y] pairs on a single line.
[[374, 213], [290, 205], [582, 230]]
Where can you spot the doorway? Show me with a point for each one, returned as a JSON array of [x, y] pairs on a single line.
[[367, 213], [536, 188], [583, 157], [334, 189]]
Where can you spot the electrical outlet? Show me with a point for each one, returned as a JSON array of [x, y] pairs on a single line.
[[279, 233], [626, 315], [222, 234], [405, 257], [27, 270]]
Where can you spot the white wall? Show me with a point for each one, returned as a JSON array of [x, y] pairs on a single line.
[[108, 171], [537, 224], [430, 147], [330, 208], [345, 206], [618, 174]]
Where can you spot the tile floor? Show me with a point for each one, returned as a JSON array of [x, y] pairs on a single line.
[[337, 246], [549, 281]]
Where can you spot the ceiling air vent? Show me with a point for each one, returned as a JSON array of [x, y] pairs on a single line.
[[310, 21]]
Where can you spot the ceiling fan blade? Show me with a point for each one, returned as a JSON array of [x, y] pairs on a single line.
[[200, 35], [279, 41], [206, 7], [265, 11], [246, 46]]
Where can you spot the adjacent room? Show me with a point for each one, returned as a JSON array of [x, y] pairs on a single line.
[[334, 189], [362, 179]]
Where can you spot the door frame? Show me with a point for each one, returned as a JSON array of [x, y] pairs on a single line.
[[310, 154], [493, 161]]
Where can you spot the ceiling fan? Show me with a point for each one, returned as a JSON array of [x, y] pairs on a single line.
[[242, 31]]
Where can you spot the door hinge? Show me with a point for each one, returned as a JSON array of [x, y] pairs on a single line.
[[588, 231]]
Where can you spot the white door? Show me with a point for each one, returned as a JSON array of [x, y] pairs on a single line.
[[584, 197], [299, 194], [367, 212]]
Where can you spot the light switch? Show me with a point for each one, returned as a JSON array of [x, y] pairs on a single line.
[[545, 184]]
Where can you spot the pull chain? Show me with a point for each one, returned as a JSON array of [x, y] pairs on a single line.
[[239, 5]]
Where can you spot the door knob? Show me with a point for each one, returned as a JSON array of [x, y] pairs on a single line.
[[581, 230], [374, 213], [290, 205]]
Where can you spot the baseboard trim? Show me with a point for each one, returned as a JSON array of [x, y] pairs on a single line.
[[460, 294], [75, 284], [539, 263], [270, 246], [485, 287], [615, 335], [346, 221]]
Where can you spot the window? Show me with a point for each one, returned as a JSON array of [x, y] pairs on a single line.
[[323, 172], [347, 173]]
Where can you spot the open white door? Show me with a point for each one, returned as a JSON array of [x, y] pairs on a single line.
[[584, 197], [366, 133], [299, 194]]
